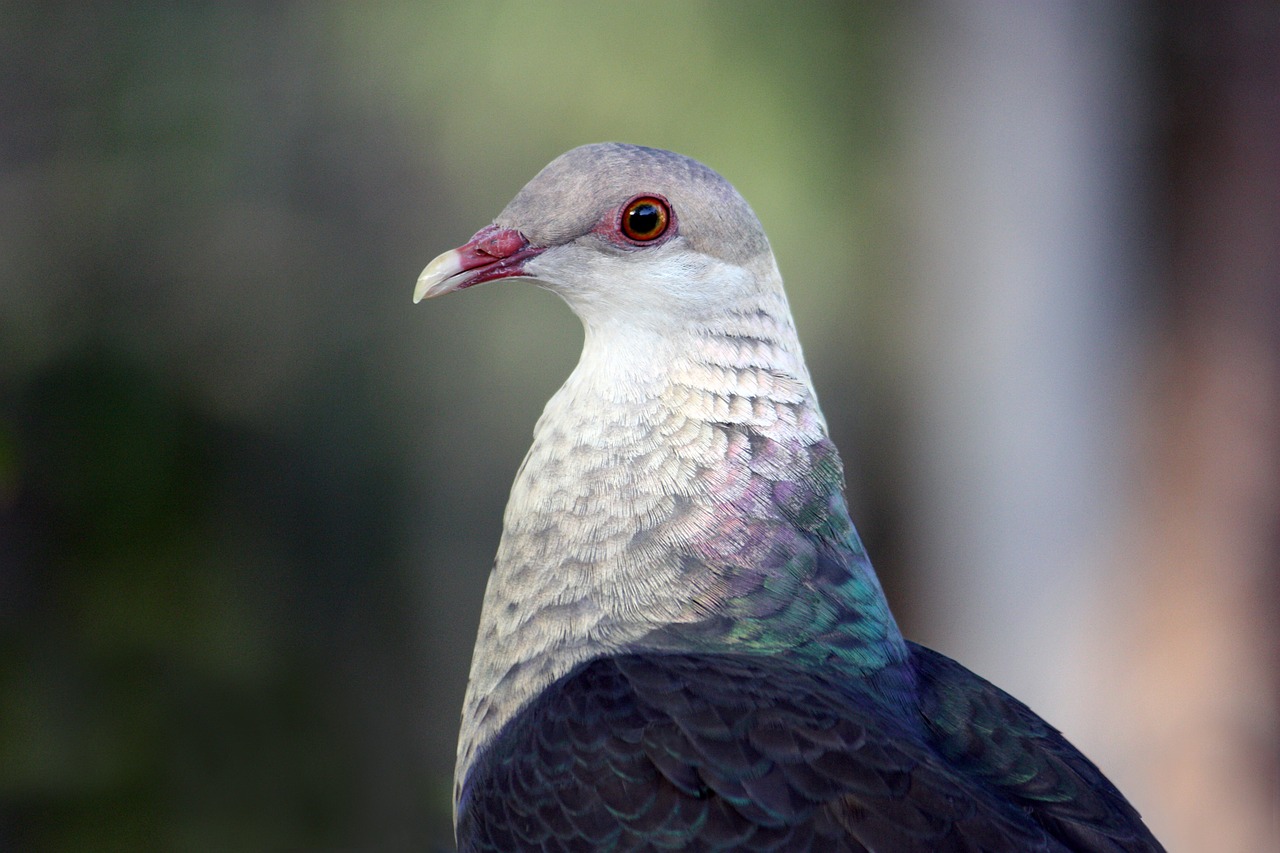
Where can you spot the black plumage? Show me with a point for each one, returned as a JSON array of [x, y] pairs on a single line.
[[739, 752]]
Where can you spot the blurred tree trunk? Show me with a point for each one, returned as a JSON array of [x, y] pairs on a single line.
[[1098, 483], [1025, 245], [1202, 673]]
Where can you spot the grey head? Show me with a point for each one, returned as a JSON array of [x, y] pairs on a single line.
[[621, 232]]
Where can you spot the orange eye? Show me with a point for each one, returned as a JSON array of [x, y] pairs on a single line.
[[645, 218]]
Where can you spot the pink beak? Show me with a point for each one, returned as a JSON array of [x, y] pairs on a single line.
[[491, 254]]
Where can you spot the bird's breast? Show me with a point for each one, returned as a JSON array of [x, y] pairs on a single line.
[[642, 478]]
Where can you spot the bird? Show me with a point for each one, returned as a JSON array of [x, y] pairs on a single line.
[[683, 644]]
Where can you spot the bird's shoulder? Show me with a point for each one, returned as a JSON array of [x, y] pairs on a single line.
[[987, 734], [725, 752]]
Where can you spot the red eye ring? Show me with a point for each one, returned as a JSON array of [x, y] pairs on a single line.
[[645, 218]]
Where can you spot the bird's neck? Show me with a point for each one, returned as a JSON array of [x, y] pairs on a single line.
[[681, 493]]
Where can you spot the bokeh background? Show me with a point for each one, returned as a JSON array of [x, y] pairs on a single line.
[[249, 493]]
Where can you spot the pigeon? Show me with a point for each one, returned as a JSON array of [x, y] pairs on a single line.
[[683, 644]]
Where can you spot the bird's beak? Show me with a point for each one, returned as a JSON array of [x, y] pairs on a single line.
[[492, 253]]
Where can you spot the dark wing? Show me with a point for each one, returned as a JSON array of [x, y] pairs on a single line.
[[706, 752], [986, 733]]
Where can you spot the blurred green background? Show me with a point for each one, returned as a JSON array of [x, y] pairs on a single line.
[[249, 493]]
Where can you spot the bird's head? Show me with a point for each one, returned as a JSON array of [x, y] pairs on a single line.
[[624, 234]]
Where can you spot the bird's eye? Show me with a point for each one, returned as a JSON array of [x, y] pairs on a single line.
[[645, 219]]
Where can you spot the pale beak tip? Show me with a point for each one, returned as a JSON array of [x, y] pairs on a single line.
[[437, 274], [420, 291]]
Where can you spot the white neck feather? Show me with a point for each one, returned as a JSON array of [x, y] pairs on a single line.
[[624, 463]]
